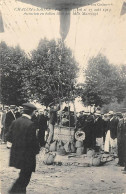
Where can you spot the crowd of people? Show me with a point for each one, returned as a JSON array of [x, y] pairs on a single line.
[[12, 112], [23, 130]]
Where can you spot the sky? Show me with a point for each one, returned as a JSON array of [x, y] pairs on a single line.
[[97, 28]]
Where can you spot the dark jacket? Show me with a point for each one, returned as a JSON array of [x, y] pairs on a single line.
[[88, 128], [113, 124], [53, 115], [35, 121], [17, 115], [98, 127], [42, 122], [8, 120], [124, 140], [22, 135]]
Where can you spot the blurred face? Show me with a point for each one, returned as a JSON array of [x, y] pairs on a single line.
[[40, 112], [106, 118], [36, 113], [45, 113], [54, 106], [78, 114]]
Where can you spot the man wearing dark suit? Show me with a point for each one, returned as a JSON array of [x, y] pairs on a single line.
[[111, 136], [98, 130], [10, 116], [88, 128], [22, 135], [113, 127], [42, 125], [124, 144]]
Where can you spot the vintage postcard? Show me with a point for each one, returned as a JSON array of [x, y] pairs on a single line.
[[63, 96]]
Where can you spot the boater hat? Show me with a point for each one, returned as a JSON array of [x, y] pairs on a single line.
[[6, 106], [28, 106], [111, 113], [12, 106]]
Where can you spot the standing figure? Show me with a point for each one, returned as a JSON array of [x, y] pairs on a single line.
[[124, 144], [98, 130], [88, 128], [22, 135], [52, 121], [111, 136], [42, 125], [105, 125], [10, 116], [119, 142], [17, 112], [3, 117]]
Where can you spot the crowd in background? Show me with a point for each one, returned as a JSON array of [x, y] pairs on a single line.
[[12, 112], [102, 131]]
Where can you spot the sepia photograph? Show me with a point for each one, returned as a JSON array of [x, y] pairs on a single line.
[[63, 96]]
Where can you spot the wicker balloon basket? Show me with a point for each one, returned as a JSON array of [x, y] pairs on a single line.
[[64, 134]]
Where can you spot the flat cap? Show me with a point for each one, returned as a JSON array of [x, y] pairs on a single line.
[[28, 106]]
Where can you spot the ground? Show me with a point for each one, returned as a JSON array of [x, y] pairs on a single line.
[[107, 179]]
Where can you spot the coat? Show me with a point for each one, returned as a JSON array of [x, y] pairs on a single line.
[[8, 120], [121, 138], [112, 126], [22, 135], [124, 140], [88, 128], [98, 127], [53, 115], [42, 122]]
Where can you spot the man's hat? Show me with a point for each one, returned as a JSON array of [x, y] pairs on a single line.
[[111, 113], [21, 107], [6, 106], [28, 106], [12, 106], [97, 113], [86, 113]]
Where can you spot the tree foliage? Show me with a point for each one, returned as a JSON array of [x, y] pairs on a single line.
[[12, 60], [49, 74], [104, 82]]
